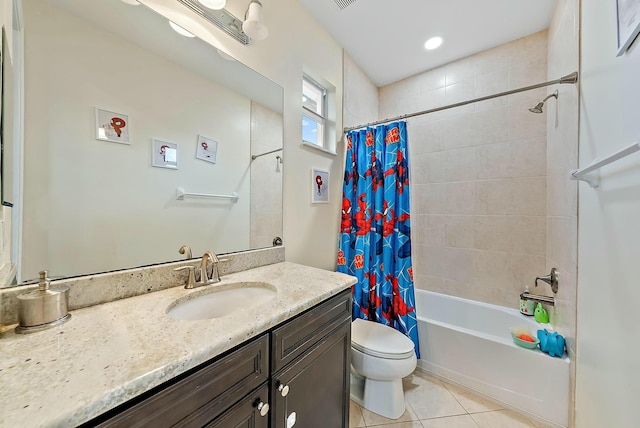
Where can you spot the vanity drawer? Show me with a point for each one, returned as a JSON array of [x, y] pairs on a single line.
[[298, 335], [208, 391]]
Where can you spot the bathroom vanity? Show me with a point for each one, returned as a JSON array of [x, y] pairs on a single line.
[[303, 365], [283, 363]]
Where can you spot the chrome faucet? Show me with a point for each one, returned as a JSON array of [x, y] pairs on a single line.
[[186, 251], [551, 279], [215, 274], [204, 276]]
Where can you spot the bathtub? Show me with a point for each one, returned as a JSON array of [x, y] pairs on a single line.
[[469, 343]]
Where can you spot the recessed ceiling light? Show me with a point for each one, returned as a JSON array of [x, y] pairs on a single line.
[[433, 43], [178, 29]]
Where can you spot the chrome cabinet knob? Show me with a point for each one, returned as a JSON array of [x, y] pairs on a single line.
[[263, 408], [284, 389]]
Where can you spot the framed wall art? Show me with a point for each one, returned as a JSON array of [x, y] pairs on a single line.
[[112, 126], [628, 14], [319, 186], [207, 149], [164, 154]]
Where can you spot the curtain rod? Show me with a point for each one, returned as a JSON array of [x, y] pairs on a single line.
[[569, 78]]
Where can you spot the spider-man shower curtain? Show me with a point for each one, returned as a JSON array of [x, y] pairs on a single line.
[[375, 242]]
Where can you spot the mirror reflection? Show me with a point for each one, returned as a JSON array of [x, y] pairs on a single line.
[[121, 112]]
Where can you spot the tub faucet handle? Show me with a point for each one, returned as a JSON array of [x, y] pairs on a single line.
[[552, 279]]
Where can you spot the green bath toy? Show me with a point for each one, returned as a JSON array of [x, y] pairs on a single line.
[[541, 314]]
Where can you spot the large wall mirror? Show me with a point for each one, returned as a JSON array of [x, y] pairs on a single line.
[[96, 204]]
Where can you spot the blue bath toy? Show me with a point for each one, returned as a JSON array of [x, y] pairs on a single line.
[[540, 314], [551, 343]]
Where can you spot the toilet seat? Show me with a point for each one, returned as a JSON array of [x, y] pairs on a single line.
[[380, 340]]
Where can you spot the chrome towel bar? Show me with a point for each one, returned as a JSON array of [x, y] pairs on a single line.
[[594, 181], [180, 194]]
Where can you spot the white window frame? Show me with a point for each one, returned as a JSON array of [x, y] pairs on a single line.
[[321, 119]]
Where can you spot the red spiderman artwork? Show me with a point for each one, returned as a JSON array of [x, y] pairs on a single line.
[[345, 225], [118, 124], [374, 300], [400, 308], [363, 225], [401, 171], [389, 220], [375, 172]]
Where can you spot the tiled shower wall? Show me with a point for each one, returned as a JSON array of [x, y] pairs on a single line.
[[479, 172]]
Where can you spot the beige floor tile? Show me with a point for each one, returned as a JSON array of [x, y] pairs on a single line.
[[539, 424], [472, 402], [414, 424], [372, 419], [501, 419], [429, 398], [462, 421], [355, 416]]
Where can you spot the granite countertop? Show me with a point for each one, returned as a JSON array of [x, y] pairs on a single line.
[[109, 353]]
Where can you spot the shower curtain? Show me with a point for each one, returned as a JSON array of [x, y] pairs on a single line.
[[375, 242]]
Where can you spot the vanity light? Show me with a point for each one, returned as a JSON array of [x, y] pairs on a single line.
[[253, 25], [213, 4], [178, 29], [433, 43]]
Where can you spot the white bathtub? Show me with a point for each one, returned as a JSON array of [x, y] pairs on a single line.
[[470, 343]]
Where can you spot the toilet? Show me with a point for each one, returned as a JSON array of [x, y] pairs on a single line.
[[380, 358]]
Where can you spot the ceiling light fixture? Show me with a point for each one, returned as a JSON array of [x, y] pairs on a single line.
[[178, 29], [433, 43], [213, 4], [253, 24]]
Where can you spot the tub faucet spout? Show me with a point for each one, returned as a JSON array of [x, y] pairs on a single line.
[[552, 279]]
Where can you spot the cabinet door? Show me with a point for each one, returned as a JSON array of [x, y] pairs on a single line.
[[245, 414], [318, 385], [198, 396]]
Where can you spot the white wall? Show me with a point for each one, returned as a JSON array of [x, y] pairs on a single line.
[[93, 205], [608, 367], [360, 95], [296, 42]]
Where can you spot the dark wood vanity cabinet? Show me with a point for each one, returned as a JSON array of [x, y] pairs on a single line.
[[296, 375]]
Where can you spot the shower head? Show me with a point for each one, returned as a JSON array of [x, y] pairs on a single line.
[[538, 107]]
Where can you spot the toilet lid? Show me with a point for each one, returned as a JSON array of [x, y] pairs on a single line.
[[380, 340]]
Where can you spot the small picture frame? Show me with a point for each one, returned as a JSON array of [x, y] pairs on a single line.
[[112, 126], [164, 154], [207, 149], [628, 15], [319, 186]]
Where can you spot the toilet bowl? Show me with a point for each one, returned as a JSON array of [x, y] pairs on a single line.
[[380, 358]]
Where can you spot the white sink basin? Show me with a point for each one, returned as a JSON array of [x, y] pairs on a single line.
[[218, 302]]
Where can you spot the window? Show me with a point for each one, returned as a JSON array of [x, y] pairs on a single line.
[[314, 112]]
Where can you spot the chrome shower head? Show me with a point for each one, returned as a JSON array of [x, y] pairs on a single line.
[[538, 107]]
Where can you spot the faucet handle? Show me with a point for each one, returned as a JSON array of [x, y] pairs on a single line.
[[191, 280]]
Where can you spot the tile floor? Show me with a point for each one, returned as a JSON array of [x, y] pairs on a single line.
[[433, 403]]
